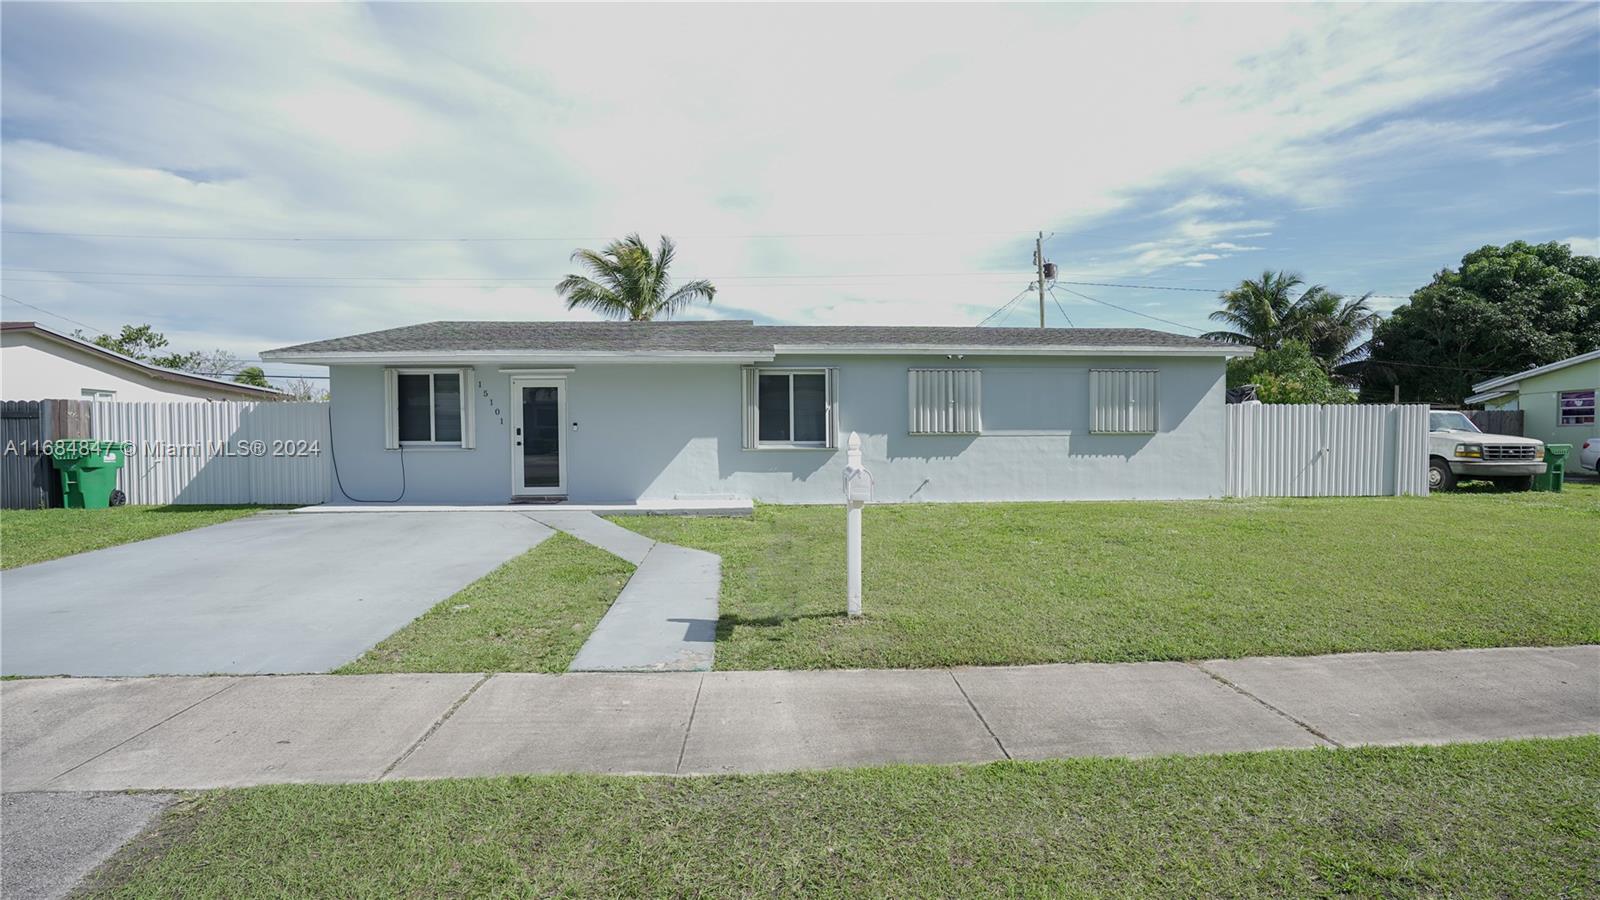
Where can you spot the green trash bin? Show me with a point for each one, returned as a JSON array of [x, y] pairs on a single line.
[[1555, 467], [88, 471]]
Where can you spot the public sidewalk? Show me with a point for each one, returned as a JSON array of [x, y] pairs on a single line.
[[113, 734]]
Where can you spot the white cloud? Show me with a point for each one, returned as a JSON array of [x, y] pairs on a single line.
[[1586, 246], [851, 148]]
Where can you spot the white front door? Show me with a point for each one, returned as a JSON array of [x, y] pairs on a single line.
[[538, 437]]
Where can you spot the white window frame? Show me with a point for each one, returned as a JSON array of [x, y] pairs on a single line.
[[752, 409], [392, 412], [97, 394], [1561, 409]]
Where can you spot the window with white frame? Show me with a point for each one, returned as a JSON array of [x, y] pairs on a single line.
[[790, 408], [98, 394], [1123, 401], [946, 401], [1575, 408], [428, 407]]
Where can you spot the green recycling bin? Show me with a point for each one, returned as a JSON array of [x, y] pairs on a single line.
[[1555, 467], [88, 471]]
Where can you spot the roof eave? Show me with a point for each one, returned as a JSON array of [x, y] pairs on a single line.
[[438, 357], [159, 373], [1006, 350], [1512, 380]]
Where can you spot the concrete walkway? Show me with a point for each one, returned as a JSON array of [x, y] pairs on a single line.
[[665, 619], [115, 734]]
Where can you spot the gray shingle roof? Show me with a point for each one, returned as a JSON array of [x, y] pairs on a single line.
[[729, 336]]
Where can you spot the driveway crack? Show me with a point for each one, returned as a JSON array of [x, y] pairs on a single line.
[[438, 724], [144, 732], [975, 711], [1307, 726], [694, 708]]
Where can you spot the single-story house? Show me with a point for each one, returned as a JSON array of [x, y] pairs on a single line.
[[37, 363], [604, 412], [1557, 400]]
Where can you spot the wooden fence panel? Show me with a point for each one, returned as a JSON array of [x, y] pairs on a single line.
[[1496, 421], [27, 480]]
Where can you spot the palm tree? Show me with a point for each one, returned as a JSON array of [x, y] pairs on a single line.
[[629, 282], [1265, 312], [1334, 328]]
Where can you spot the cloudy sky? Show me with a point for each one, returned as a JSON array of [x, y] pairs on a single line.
[[246, 177]]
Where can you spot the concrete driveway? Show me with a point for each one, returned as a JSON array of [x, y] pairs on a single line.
[[264, 594]]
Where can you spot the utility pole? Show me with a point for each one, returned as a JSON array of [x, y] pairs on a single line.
[[1038, 260]]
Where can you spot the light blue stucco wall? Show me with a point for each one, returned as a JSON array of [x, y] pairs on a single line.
[[673, 431]]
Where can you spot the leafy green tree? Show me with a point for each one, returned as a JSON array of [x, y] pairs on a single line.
[[193, 361], [137, 341], [1265, 312], [1288, 373], [1504, 310], [627, 281], [252, 375], [142, 341]]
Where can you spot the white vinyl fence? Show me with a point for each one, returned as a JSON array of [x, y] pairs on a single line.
[[1327, 451], [220, 451]]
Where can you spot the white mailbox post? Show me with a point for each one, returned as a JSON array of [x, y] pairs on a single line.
[[857, 492]]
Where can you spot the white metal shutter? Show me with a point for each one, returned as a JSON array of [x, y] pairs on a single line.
[[945, 401], [469, 403], [833, 407], [747, 378], [391, 409], [1123, 401]]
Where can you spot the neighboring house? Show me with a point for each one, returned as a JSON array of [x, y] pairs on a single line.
[[486, 412], [39, 364], [1557, 401]]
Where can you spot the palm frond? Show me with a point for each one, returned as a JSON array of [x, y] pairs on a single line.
[[629, 281]]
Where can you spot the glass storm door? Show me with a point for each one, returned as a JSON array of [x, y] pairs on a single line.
[[539, 467]]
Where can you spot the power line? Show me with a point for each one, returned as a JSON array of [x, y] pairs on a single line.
[[49, 313], [995, 273], [1063, 309], [1005, 307], [1145, 287], [490, 279], [1127, 310], [1383, 362], [481, 238]]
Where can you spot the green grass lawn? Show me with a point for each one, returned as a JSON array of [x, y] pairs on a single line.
[[1511, 819], [982, 584], [35, 535], [530, 615]]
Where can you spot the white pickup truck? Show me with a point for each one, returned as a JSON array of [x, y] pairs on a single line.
[[1458, 450]]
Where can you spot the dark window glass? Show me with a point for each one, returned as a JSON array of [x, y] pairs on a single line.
[[414, 421], [810, 408], [773, 404], [447, 408], [541, 437]]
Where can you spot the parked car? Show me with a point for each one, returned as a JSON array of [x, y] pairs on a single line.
[[1589, 455], [1457, 450]]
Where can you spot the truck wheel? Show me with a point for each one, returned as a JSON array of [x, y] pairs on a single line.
[[1440, 478], [1514, 483]]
